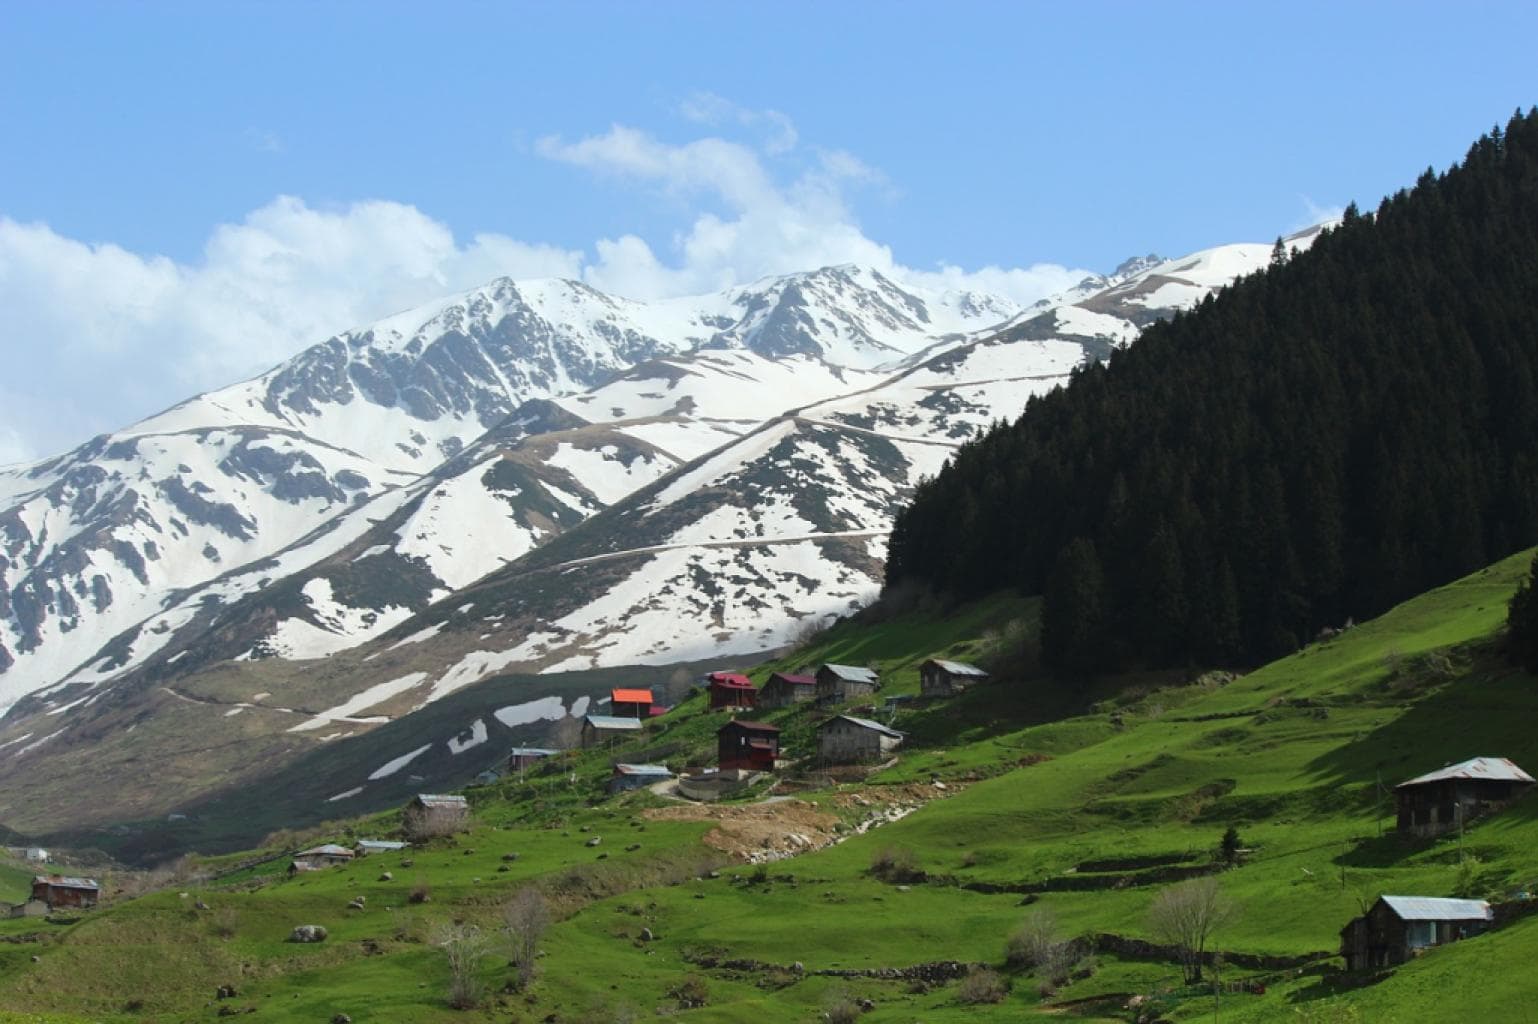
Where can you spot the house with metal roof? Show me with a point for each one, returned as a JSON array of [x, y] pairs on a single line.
[[324, 856], [730, 690], [839, 683], [435, 814], [747, 746], [637, 776], [845, 739], [55, 891], [624, 703], [1397, 928], [784, 689], [1445, 799], [598, 730], [941, 678], [364, 847]]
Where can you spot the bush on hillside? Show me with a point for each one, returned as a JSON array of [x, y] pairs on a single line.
[[980, 987], [897, 864]]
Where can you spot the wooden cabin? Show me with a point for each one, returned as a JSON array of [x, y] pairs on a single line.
[[783, 689], [435, 814], [637, 776], [625, 703], [730, 690], [839, 683], [1397, 928], [327, 855], [56, 891], [940, 678], [1440, 801], [599, 730], [748, 746], [846, 739]]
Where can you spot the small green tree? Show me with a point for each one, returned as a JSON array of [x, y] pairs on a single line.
[[1230, 845]]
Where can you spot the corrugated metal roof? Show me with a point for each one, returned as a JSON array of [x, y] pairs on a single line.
[[612, 722], [643, 769], [852, 673], [441, 800], [381, 844], [866, 723], [960, 668], [325, 850], [1434, 908], [1488, 769], [630, 696], [66, 881], [531, 752], [786, 677]]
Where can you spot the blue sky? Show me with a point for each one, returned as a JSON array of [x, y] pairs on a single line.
[[189, 192]]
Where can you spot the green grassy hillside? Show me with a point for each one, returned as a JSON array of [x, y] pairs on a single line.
[[1080, 802]]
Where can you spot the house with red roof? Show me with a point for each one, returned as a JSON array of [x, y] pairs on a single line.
[[784, 689], [730, 690], [625, 703], [747, 746]]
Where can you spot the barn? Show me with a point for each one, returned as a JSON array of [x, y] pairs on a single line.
[[520, 759], [364, 847], [839, 683], [749, 746], [730, 690], [598, 730], [55, 891], [940, 678], [1440, 801], [625, 703], [1396, 928], [783, 689], [846, 739]]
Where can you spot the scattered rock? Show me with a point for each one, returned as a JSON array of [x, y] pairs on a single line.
[[340, 1018], [308, 933], [36, 959], [595, 840], [503, 867], [200, 905], [798, 968], [356, 904], [632, 848], [905, 888], [647, 936], [387, 877], [225, 992], [407, 863], [510, 856], [586, 828]]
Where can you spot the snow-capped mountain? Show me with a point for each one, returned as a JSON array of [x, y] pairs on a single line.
[[101, 540], [524, 478]]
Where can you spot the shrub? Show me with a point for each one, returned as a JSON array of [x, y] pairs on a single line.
[[1030, 944], [224, 922], [421, 892], [981, 986], [465, 946], [841, 1008], [691, 992], [896, 864], [525, 918], [1230, 845]]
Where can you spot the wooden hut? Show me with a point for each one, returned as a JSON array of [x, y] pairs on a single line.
[[845, 739], [55, 891], [730, 690], [748, 746], [783, 689], [940, 678], [1398, 927], [521, 759], [839, 683], [1442, 800]]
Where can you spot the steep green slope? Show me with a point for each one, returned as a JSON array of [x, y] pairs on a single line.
[[1086, 815]]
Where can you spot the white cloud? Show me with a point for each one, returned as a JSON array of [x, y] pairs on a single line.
[[104, 336]]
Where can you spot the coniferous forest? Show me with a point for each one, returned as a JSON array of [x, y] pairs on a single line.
[[1320, 440]]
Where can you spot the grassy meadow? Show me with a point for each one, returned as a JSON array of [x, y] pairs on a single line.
[[1078, 803]]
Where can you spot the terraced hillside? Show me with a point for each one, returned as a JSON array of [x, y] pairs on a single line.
[[1025, 797]]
